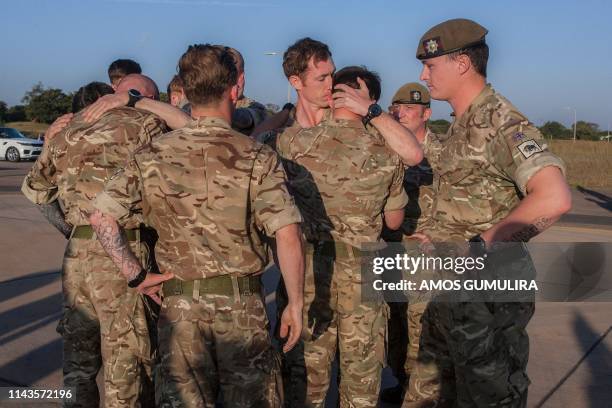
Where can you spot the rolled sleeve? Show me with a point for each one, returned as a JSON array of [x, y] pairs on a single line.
[[519, 152], [398, 199], [39, 185], [528, 168], [286, 217], [272, 205], [38, 191]]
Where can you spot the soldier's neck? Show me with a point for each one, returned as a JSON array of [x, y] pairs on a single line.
[[308, 114], [222, 110], [466, 94], [420, 134], [343, 113]]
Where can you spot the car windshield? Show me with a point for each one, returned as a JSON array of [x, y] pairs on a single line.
[[10, 133]]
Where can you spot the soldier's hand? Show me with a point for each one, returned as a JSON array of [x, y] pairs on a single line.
[[152, 284], [356, 100], [425, 243], [291, 326], [57, 126], [94, 111]]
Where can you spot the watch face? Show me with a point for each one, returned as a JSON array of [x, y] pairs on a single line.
[[375, 110], [134, 92]]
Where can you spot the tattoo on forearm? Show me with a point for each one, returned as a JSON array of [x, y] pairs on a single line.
[[529, 231], [54, 214], [115, 245]]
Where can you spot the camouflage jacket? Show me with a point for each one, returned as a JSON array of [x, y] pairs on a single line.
[[484, 164], [76, 163], [418, 183], [342, 177], [211, 193]]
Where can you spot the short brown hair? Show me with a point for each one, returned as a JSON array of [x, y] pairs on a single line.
[[478, 55], [88, 94], [238, 59], [207, 71], [176, 85], [297, 56], [349, 75], [121, 68]]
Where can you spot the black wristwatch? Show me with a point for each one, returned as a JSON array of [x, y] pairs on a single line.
[[135, 96], [288, 106], [373, 111], [138, 279]]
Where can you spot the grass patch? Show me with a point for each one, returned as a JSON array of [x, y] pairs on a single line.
[[31, 129], [589, 163]]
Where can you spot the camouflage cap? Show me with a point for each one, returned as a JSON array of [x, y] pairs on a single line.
[[412, 93], [450, 36]]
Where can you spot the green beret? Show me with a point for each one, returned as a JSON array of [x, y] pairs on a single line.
[[412, 93], [450, 36]]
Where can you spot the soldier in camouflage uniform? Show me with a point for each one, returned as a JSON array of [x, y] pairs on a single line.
[[410, 105], [212, 194], [309, 68], [345, 180], [494, 181], [104, 324], [177, 114]]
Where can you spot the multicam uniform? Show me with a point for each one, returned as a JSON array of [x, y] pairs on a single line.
[[211, 194], [485, 161], [104, 322], [343, 178], [405, 319]]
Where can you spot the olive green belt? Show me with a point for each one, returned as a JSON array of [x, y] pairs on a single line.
[[217, 285], [334, 249], [87, 232]]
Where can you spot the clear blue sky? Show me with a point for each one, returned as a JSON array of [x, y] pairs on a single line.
[[545, 55]]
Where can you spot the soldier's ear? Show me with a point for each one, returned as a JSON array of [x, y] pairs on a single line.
[[241, 81], [426, 114], [234, 92], [463, 63], [296, 82]]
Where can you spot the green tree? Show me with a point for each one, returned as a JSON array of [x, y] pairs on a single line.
[[45, 105], [439, 126], [586, 130], [15, 114], [554, 130], [164, 97], [3, 110], [36, 90]]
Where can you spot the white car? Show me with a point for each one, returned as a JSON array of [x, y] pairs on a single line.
[[14, 146]]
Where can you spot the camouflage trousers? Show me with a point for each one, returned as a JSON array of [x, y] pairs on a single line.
[[105, 325], [404, 334], [216, 343], [335, 319], [484, 346]]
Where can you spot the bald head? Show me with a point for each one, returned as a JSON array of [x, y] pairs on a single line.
[[141, 83]]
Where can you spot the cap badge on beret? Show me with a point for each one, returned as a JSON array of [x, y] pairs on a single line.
[[416, 96], [432, 45]]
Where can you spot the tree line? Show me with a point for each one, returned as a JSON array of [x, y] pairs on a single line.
[[44, 105]]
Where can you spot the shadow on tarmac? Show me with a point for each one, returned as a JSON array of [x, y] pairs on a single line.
[[21, 321]]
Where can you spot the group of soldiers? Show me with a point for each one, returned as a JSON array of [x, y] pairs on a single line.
[[174, 210]]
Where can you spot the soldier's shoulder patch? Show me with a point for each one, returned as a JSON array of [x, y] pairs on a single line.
[[529, 147]]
